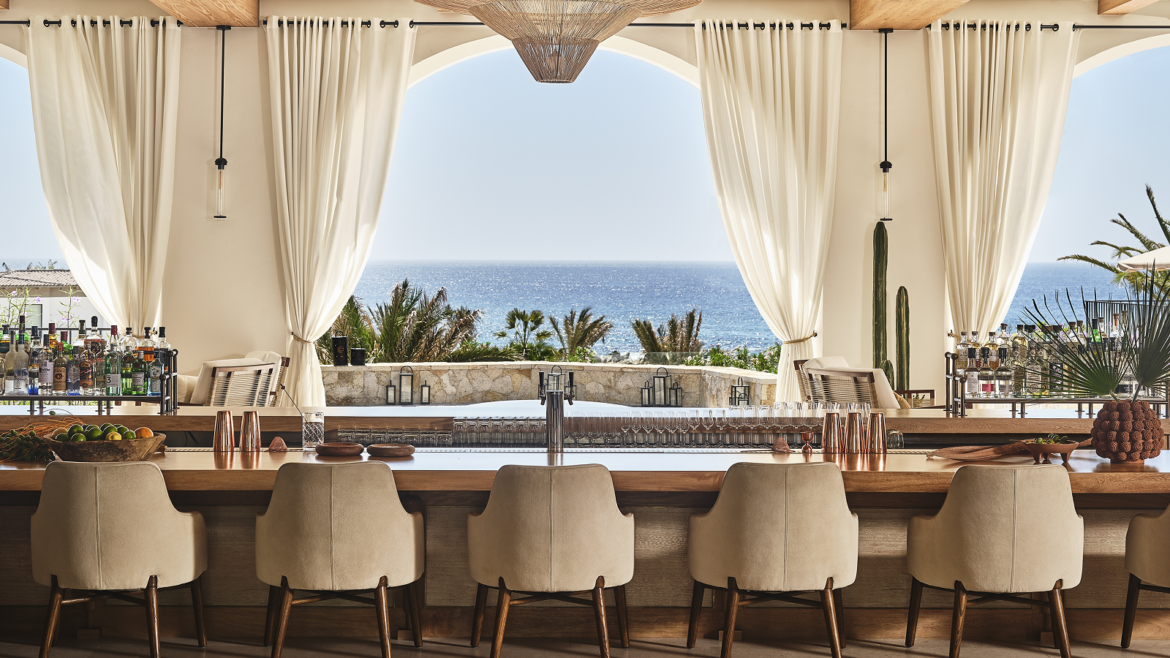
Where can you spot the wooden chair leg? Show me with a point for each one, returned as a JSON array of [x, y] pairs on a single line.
[[286, 596], [915, 607], [407, 598], [840, 608], [197, 604], [1061, 628], [52, 618], [270, 621], [828, 604], [414, 590], [957, 618], [1054, 623], [696, 608], [150, 594], [729, 618], [477, 620], [599, 616], [382, 607], [502, 604], [623, 612], [1131, 603]]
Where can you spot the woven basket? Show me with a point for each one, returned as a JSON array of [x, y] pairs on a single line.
[[1127, 431], [107, 451]]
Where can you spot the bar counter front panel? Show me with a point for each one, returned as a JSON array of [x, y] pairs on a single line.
[[661, 489]]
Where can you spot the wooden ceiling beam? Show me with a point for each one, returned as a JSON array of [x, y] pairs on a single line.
[[209, 13], [899, 14], [3, 4], [1118, 7]]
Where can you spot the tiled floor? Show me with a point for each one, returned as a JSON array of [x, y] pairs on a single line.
[[520, 648]]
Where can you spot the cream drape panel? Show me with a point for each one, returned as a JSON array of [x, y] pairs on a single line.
[[771, 104], [998, 95], [336, 94], [105, 101]]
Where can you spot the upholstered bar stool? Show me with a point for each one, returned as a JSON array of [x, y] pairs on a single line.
[[110, 531], [338, 531], [551, 532], [1002, 531], [776, 530], [1145, 560]]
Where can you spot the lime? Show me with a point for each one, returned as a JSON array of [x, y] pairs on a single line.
[[106, 426], [122, 429], [129, 435], [78, 437], [93, 434], [74, 429], [61, 434]]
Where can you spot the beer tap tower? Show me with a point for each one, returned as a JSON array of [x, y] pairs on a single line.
[[553, 394]]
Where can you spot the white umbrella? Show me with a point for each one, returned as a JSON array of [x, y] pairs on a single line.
[[1158, 259]]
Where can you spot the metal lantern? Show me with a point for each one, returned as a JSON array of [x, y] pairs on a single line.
[[661, 387], [554, 380], [391, 394], [740, 394], [406, 385], [647, 395], [340, 350], [424, 393], [676, 395]]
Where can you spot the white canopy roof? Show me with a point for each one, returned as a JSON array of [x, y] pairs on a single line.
[[1158, 259]]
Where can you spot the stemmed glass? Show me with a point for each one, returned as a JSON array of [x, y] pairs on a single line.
[[693, 421], [708, 422], [720, 420]]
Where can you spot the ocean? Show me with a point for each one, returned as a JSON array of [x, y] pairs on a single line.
[[625, 291]]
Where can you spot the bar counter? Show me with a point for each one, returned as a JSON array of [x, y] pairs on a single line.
[[662, 490]]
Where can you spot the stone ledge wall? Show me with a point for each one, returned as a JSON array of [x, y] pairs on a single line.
[[470, 383]]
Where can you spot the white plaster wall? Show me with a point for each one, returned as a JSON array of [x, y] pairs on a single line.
[[210, 262]]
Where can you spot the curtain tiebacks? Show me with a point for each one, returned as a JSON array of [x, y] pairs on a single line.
[[296, 337], [800, 340]]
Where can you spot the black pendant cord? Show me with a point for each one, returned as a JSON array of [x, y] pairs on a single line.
[[220, 161], [886, 166]]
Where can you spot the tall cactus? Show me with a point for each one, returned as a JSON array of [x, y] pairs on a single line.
[[880, 255], [902, 338]]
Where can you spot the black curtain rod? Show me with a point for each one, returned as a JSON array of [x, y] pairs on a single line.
[[343, 23], [791, 26], [1076, 26], [92, 23]]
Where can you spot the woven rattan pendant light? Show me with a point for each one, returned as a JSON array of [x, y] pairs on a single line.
[[555, 38]]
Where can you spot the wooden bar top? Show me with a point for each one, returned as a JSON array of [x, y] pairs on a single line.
[[903, 472]]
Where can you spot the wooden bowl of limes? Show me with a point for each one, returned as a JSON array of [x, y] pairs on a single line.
[[104, 443]]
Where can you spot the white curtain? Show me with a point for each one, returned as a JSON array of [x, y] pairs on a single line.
[[998, 95], [105, 101], [771, 104], [336, 93]]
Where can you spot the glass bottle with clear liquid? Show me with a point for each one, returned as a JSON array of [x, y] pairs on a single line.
[[20, 367]]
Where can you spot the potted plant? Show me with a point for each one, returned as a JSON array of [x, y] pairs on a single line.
[[1117, 368]]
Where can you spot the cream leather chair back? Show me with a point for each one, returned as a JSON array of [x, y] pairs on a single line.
[[112, 527], [776, 528], [1002, 529], [336, 527], [552, 529], [1148, 536]]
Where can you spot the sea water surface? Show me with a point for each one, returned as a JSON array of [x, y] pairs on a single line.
[[625, 291]]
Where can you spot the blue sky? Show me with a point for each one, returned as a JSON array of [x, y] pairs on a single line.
[[614, 166]]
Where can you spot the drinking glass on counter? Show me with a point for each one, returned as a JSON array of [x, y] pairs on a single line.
[[312, 430], [895, 440]]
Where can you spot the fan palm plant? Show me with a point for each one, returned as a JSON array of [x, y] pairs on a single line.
[[1133, 281], [679, 335], [580, 331], [527, 336]]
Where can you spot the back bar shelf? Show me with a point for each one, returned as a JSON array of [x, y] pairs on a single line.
[[167, 399]]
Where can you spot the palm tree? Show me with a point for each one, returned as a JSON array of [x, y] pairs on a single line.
[[1134, 281], [527, 336], [580, 331], [677, 336]]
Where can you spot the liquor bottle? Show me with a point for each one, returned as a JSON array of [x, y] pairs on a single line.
[[1033, 370], [992, 343], [53, 336], [1003, 375], [1020, 374], [127, 349], [986, 374], [114, 364], [1055, 364], [972, 373], [138, 374], [160, 353], [975, 340], [46, 373], [84, 361], [21, 368], [961, 363], [34, 363], [72, 366], [61, 365], [8, 365]]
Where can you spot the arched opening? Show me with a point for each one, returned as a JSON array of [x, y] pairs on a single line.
[[1111, 149], [558, 197]]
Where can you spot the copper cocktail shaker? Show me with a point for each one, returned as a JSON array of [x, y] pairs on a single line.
[[831, 434], [224, 435], [876, 444], [250, 432], [854, 434]]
